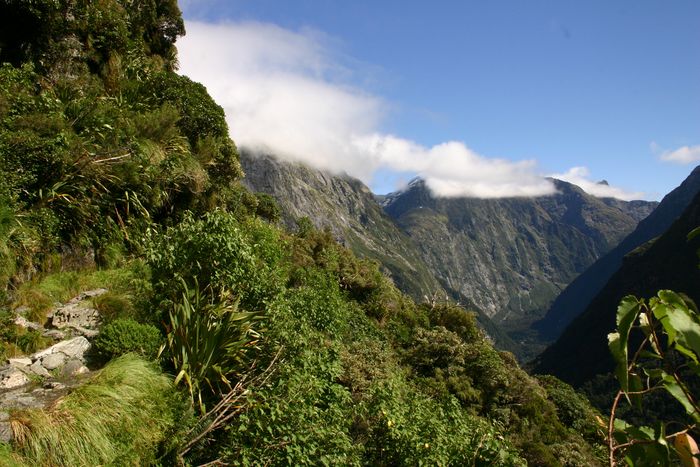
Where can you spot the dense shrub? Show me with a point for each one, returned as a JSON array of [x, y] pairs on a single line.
[[407, 428], [303, 418], [216, 252], [123, 336]]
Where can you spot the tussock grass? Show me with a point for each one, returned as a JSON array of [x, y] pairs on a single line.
[[119, 418]]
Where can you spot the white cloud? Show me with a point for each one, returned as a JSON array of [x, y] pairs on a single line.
[[580, 176], [682, 155], [452, 169], [284, 93]]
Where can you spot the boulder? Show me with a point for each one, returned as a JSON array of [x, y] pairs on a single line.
[[73, 368], [23, 322], [19, 362], [53, 361], [71, 348], [75, 315], [39, 370], [12, 377]]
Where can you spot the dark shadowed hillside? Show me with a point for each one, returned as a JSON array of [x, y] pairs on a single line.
[[576, 297], [668, 262]]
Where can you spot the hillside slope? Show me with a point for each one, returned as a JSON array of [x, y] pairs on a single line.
[[348, 208], [513, 256], [578, 295], [668, 262]]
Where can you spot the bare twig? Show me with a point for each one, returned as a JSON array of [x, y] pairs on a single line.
[[611, 429], [228, 407]]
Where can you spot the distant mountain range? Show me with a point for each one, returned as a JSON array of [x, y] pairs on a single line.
[[668, 261], [507, 259], [579, 294], [511, 257]]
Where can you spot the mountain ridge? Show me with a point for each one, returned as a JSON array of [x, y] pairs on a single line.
[[509, 256], [666, 262], [427, 243], [574, 299]]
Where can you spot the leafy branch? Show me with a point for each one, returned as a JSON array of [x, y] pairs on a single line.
[[671, 330]]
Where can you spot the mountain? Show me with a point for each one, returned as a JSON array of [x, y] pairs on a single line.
[[667, 262], [511, 257], [578, 295], [507, 259], [351, 211], [347, 207]]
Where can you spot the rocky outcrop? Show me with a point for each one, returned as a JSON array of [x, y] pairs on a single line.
[[20, 371], [77, 315], [36, 380]]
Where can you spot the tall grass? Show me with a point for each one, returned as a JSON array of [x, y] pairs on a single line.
[[119, 418]]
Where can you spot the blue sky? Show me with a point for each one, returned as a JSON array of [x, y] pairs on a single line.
[[526, 88]]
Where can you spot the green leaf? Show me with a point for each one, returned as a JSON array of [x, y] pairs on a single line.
[[694, 233], [673, 388], [627, 313], [681, 324]]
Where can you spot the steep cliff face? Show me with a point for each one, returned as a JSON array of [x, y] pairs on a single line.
[[347, 207], [667, 262], [579, 294], [513, 256]]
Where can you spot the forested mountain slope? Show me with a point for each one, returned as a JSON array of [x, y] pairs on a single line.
[[578, 295], [667, 262], [278, 347], [345, 206]]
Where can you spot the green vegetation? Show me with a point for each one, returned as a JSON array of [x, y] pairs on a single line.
[[123, 336], [665, 360], [118, 418], [279, 348]]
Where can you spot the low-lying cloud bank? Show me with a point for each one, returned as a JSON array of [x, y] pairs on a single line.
[[285, 92]]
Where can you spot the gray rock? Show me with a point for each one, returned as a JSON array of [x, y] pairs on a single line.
[[23, 322], [54, 334], [24, 361], [74, 367], [5, 432], [81, 331], [12, 377], [25, 400], [88, 294], [75, 314], [71, 348], [53, 361], [39, 370], [54, 385]]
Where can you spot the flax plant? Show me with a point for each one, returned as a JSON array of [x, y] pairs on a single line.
[[208, 343]]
